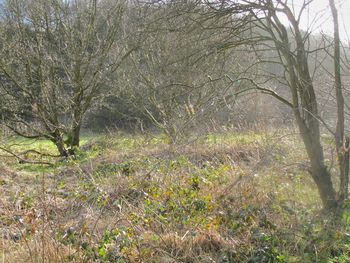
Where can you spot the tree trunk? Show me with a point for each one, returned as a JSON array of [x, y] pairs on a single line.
[[318, 170], [343, 159], [342, 142], [58, 141], [76, 136], [322, 178]]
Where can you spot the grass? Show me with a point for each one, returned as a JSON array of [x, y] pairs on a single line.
[[243, 197]]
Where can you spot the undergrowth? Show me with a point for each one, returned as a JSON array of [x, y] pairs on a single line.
[[222, 198]]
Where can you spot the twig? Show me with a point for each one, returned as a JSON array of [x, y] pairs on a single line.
[[22, 160]]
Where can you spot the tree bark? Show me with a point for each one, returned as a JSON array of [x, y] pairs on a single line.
[[342, 143], [318, 170], [76, 136], [59, 142]]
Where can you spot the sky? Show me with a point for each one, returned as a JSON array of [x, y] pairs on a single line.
[[320, 12]]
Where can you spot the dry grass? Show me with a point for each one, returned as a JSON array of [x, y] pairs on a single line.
[[246, 200]]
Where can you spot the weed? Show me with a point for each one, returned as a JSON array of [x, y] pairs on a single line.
[[224, 198]]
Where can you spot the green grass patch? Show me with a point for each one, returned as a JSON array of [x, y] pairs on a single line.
[[143, 200]]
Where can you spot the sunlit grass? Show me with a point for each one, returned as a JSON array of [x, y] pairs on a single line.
[[233, 138], [239, 196]]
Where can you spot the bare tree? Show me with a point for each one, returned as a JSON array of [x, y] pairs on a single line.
[[342, 141], [272, 32], [54, 59], [177, 78], [294, 55]]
